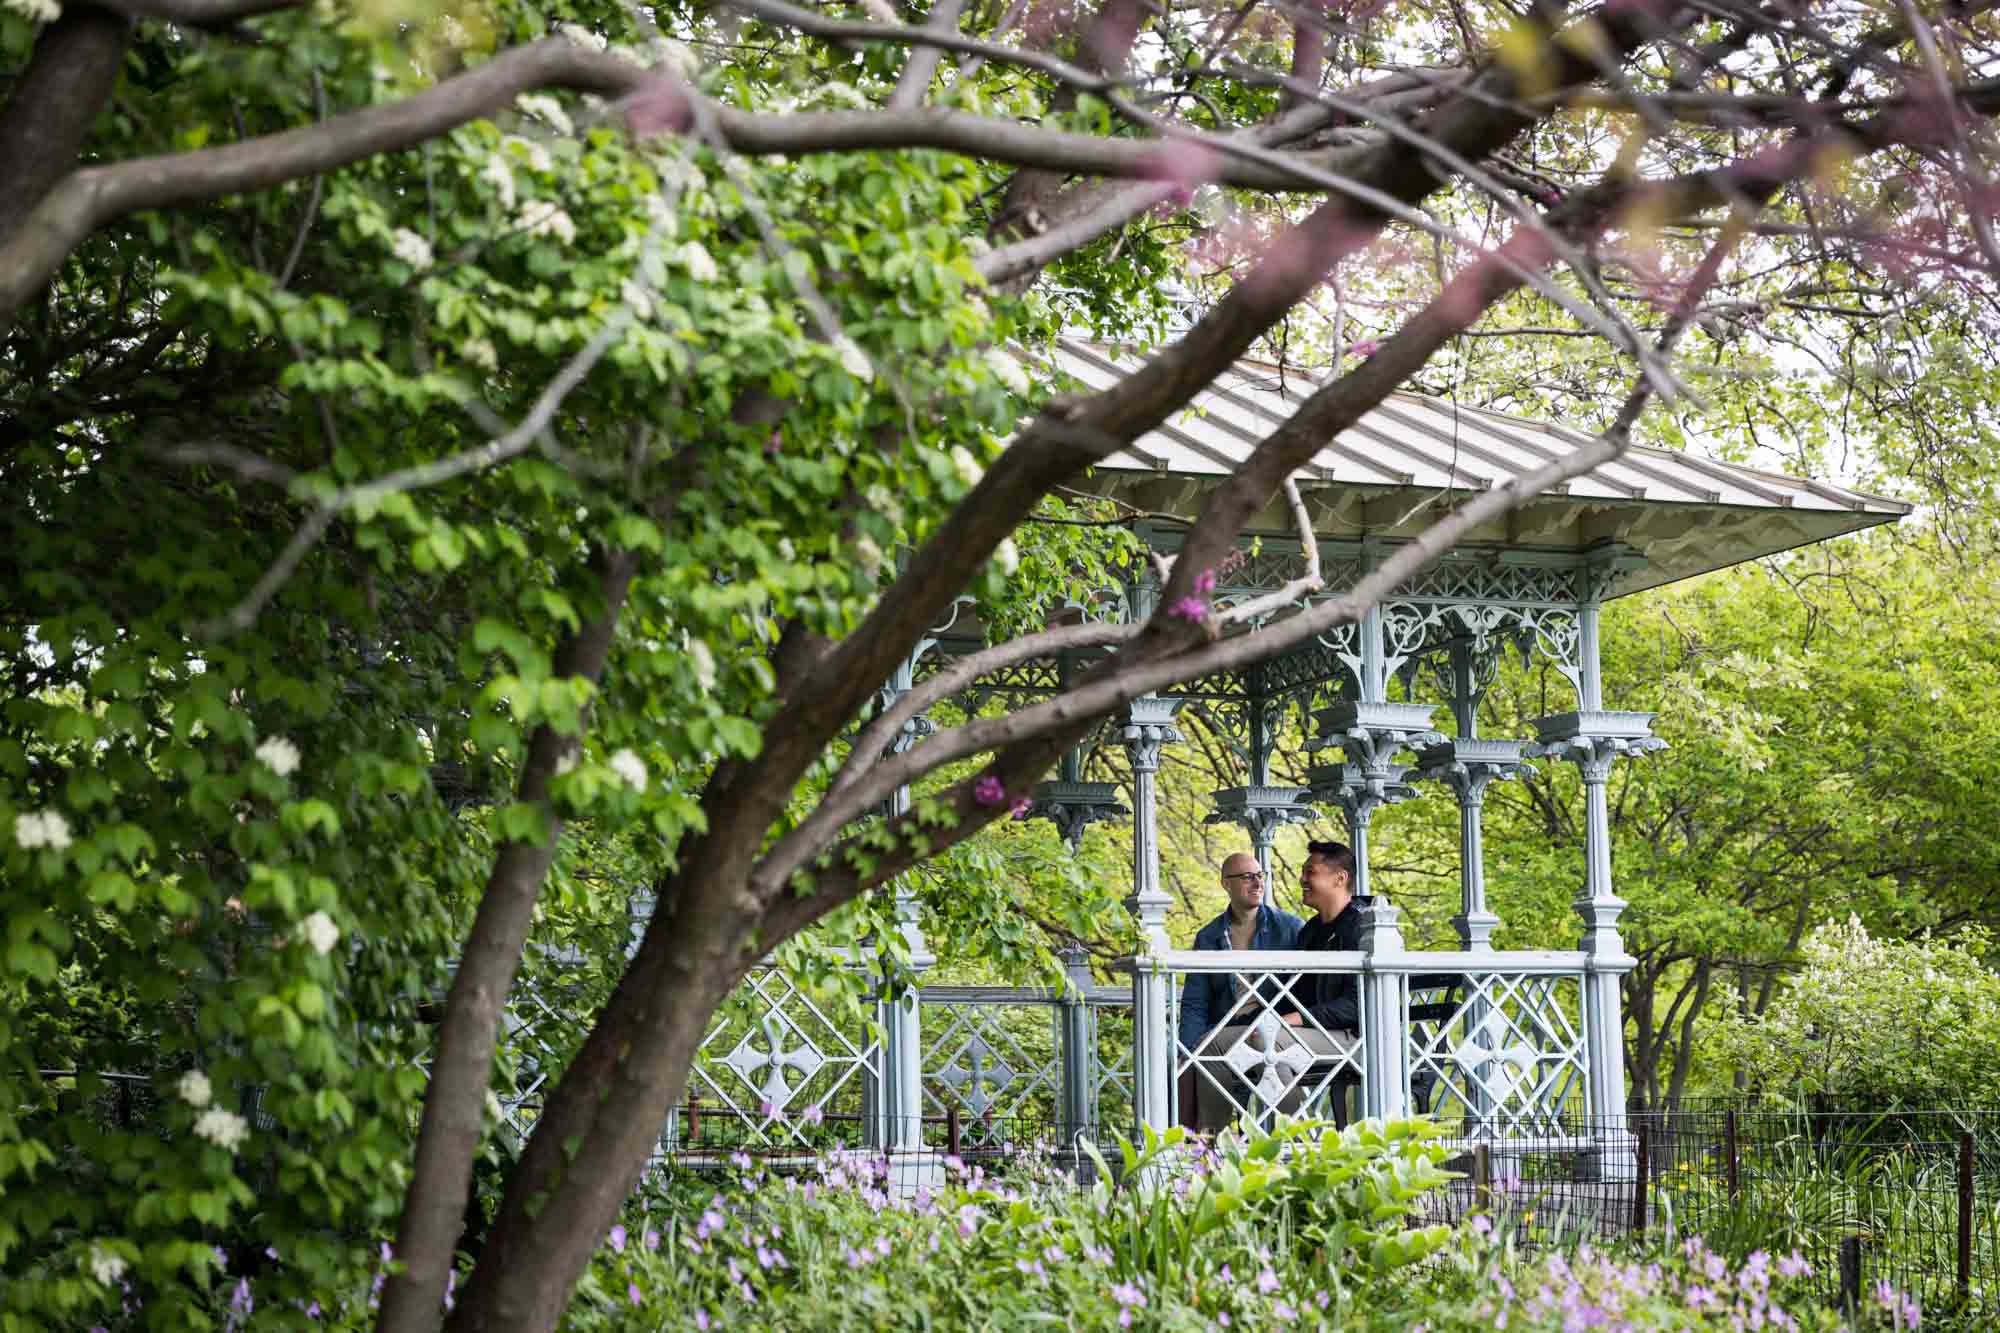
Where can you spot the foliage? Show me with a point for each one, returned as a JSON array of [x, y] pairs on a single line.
[[1688, 1285], [1263, 1231], [1895, 1023]]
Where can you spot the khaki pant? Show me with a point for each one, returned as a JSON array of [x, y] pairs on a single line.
[[1213, 1072]]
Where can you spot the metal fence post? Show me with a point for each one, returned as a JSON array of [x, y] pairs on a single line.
[[1640, 1147], [1078, 1110], [1730, 1145], [1482, 1178], [1965, 1214]]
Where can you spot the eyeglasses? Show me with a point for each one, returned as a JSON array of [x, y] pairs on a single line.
[[1246, 874]]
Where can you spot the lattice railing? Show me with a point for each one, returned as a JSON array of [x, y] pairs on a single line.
[[1511, 1059], [1264, 1053], [1492, 1044], [779, 1064]]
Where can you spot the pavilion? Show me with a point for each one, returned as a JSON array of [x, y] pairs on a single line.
[[1525, 1044]]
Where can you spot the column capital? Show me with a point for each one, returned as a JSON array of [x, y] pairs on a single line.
[[1147, 725], [1468, 766], [1074, 806], [1593, 739], [1262, 811]]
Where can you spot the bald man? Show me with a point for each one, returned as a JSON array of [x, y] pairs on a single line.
[[1249, 922]]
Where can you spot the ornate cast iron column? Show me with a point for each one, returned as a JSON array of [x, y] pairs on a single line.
[[1261, 808], [1468, 765], [897, 1120], [1369, 735], [1593, 738], [1385, 1087], [1149, 725]]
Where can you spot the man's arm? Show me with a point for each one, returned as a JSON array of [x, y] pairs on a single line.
[[1194, 1008]]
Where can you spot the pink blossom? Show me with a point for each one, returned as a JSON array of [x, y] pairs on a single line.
[[1022, 805], [1189, 608], [1364, 349], [660, 107], [1204, 583], [989, 791]]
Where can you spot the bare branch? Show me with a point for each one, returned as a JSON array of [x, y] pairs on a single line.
[[871, 743], [915, 81], [1294, 589]]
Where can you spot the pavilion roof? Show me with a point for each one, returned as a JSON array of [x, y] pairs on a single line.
[[1386, 476]]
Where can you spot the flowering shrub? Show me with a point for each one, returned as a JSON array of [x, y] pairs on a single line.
[[1256, 1234], [1910, 1023], [1688, 1286]]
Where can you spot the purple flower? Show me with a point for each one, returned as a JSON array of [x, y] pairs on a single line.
[[1189, 608], [1126, 1293], [1204, 583], [450, 1285], [1022, 805], [701, 1320], [618, 1237], [989, 791], [240, 1300], [812, 1115], [1267, 1281], [652, 1239], [632, 1294], [1364, 349]]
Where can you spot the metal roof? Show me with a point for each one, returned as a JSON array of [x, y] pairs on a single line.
[[1389, 474]]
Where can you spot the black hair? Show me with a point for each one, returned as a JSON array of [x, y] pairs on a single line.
[[1337, 855]]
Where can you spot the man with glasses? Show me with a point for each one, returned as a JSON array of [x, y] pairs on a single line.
[[1209, 998]]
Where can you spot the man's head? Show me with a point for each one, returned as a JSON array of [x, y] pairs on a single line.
[[1243, 882], [1327, 882]]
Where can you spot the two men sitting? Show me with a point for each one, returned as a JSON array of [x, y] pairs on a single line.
[[1315, 1019]]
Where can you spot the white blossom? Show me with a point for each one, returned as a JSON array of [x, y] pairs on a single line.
[[194, 1089], [637, 297], [411, 248], [545, 109], [320, 932], [539, 217], [1007, 556], [225, 1129], [35, 11], [454, 33], [480, 352], [699, 263], [566, 761], [44, 828], [582, 36], [704, 663], [1007, 370], [105, 1265], [279, 755], [853, 360], [869, 554], [786, 551], [629, 767], [967, 467], [501, 176], [536, 156], [675, 168], [883, 501]]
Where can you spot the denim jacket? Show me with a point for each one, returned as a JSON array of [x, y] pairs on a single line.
[[1207, 995]]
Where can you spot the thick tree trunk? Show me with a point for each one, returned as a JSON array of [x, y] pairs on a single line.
[[603, 1119], [68, 80], [455, 1101]]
